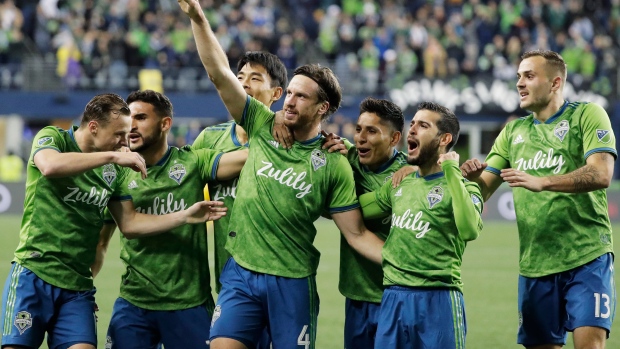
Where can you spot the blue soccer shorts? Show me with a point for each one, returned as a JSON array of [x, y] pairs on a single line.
[[132, 327], [249, 302], [552, 305], [360, 323], [421, 317], [31, 306]]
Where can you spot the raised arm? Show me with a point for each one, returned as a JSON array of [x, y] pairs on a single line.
[[135, 225], [215, 61], [102, 247], [361, 239], [231, 164], [595, 174], [466, 215]]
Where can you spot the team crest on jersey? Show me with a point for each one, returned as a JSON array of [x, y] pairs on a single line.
[[23, 321], [109, 173], [217, 312], [45, 141], [318, 159], [108, 342], [388, 177], [561, 130], [177, 172], [604, 136], [434, 196]]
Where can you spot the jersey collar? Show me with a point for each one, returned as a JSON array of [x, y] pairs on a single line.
[[385, 165], [311, 140], [554, 117], [164, 158], [431, 176]]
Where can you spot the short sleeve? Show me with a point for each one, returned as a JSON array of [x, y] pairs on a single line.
[[598, 136], [343, 197], [498, 158], [256, 115], [48, 138], [208, 162], [383, 196]]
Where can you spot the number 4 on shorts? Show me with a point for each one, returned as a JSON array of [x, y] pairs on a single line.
[[304, 338]]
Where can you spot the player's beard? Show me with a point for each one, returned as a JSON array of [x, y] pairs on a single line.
[[147, 141], [428, 153]]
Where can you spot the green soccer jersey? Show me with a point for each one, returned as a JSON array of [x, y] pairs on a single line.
[[281, 193], [557, 231], [360, 278], [170, 271], [63, 216], [426, 243], [223, 138]]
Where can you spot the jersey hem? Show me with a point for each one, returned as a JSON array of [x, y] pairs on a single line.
[[50, 280], [361, 298], [174, 307], [260, 270], [588, 258]]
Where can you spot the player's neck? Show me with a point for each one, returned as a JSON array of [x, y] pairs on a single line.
[[154, 153], [302, 134], [545, 113], [429, 168], [83, 140], [383, 161], [242, 136]]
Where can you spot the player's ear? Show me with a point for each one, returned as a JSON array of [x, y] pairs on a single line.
[[445, 139], [323, 108], [277, 93], [396, 136], [93, 127], [556, 83], [166, 123]]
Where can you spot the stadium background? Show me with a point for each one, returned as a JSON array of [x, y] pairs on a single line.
[[56, 54]]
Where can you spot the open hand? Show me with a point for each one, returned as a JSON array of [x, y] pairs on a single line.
[[203, 211]]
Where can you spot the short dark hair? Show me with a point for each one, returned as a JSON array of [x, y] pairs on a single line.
[[272, 64], [101, 107], [553, 59], [161, 104], [448, 123], [329, 87], [386, 111]]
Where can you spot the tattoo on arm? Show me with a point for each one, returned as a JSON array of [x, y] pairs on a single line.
[[583, 179]]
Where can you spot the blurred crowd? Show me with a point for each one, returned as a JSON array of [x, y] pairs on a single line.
[[372, 45]]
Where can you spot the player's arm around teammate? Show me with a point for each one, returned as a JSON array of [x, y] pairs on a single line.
[[358, 236]]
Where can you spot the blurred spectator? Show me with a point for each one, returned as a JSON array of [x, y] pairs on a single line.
[[384, 43], [11, 167]]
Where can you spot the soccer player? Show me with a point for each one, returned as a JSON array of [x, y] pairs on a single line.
[[435, 212], [72, 176], [165, 294], [263, 77], [374, 160], [558, 160], [270, 279]]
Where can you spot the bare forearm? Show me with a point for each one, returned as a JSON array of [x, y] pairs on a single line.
[[54, 164], [584, 179], [143, 225], [368, 245]]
